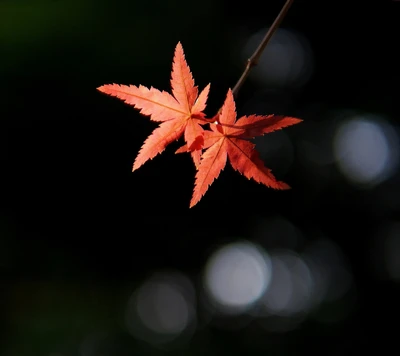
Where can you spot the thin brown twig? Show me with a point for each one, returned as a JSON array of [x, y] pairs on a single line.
[[253, 60]]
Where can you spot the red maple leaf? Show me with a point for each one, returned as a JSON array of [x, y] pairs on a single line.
[[179, 114], [229, 140]]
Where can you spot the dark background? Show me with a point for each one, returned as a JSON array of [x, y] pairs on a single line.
[[79, 231]]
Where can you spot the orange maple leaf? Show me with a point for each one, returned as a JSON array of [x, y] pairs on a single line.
[[229, 139], [179, 114]]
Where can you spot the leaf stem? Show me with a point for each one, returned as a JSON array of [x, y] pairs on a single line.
[[253, 60]]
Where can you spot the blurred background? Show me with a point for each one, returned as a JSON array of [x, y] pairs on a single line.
[[97, 261]]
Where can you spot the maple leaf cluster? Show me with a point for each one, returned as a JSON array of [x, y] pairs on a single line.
[[182, 114]]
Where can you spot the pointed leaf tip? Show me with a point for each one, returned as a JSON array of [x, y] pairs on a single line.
[[101, 88], [178, 48]]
